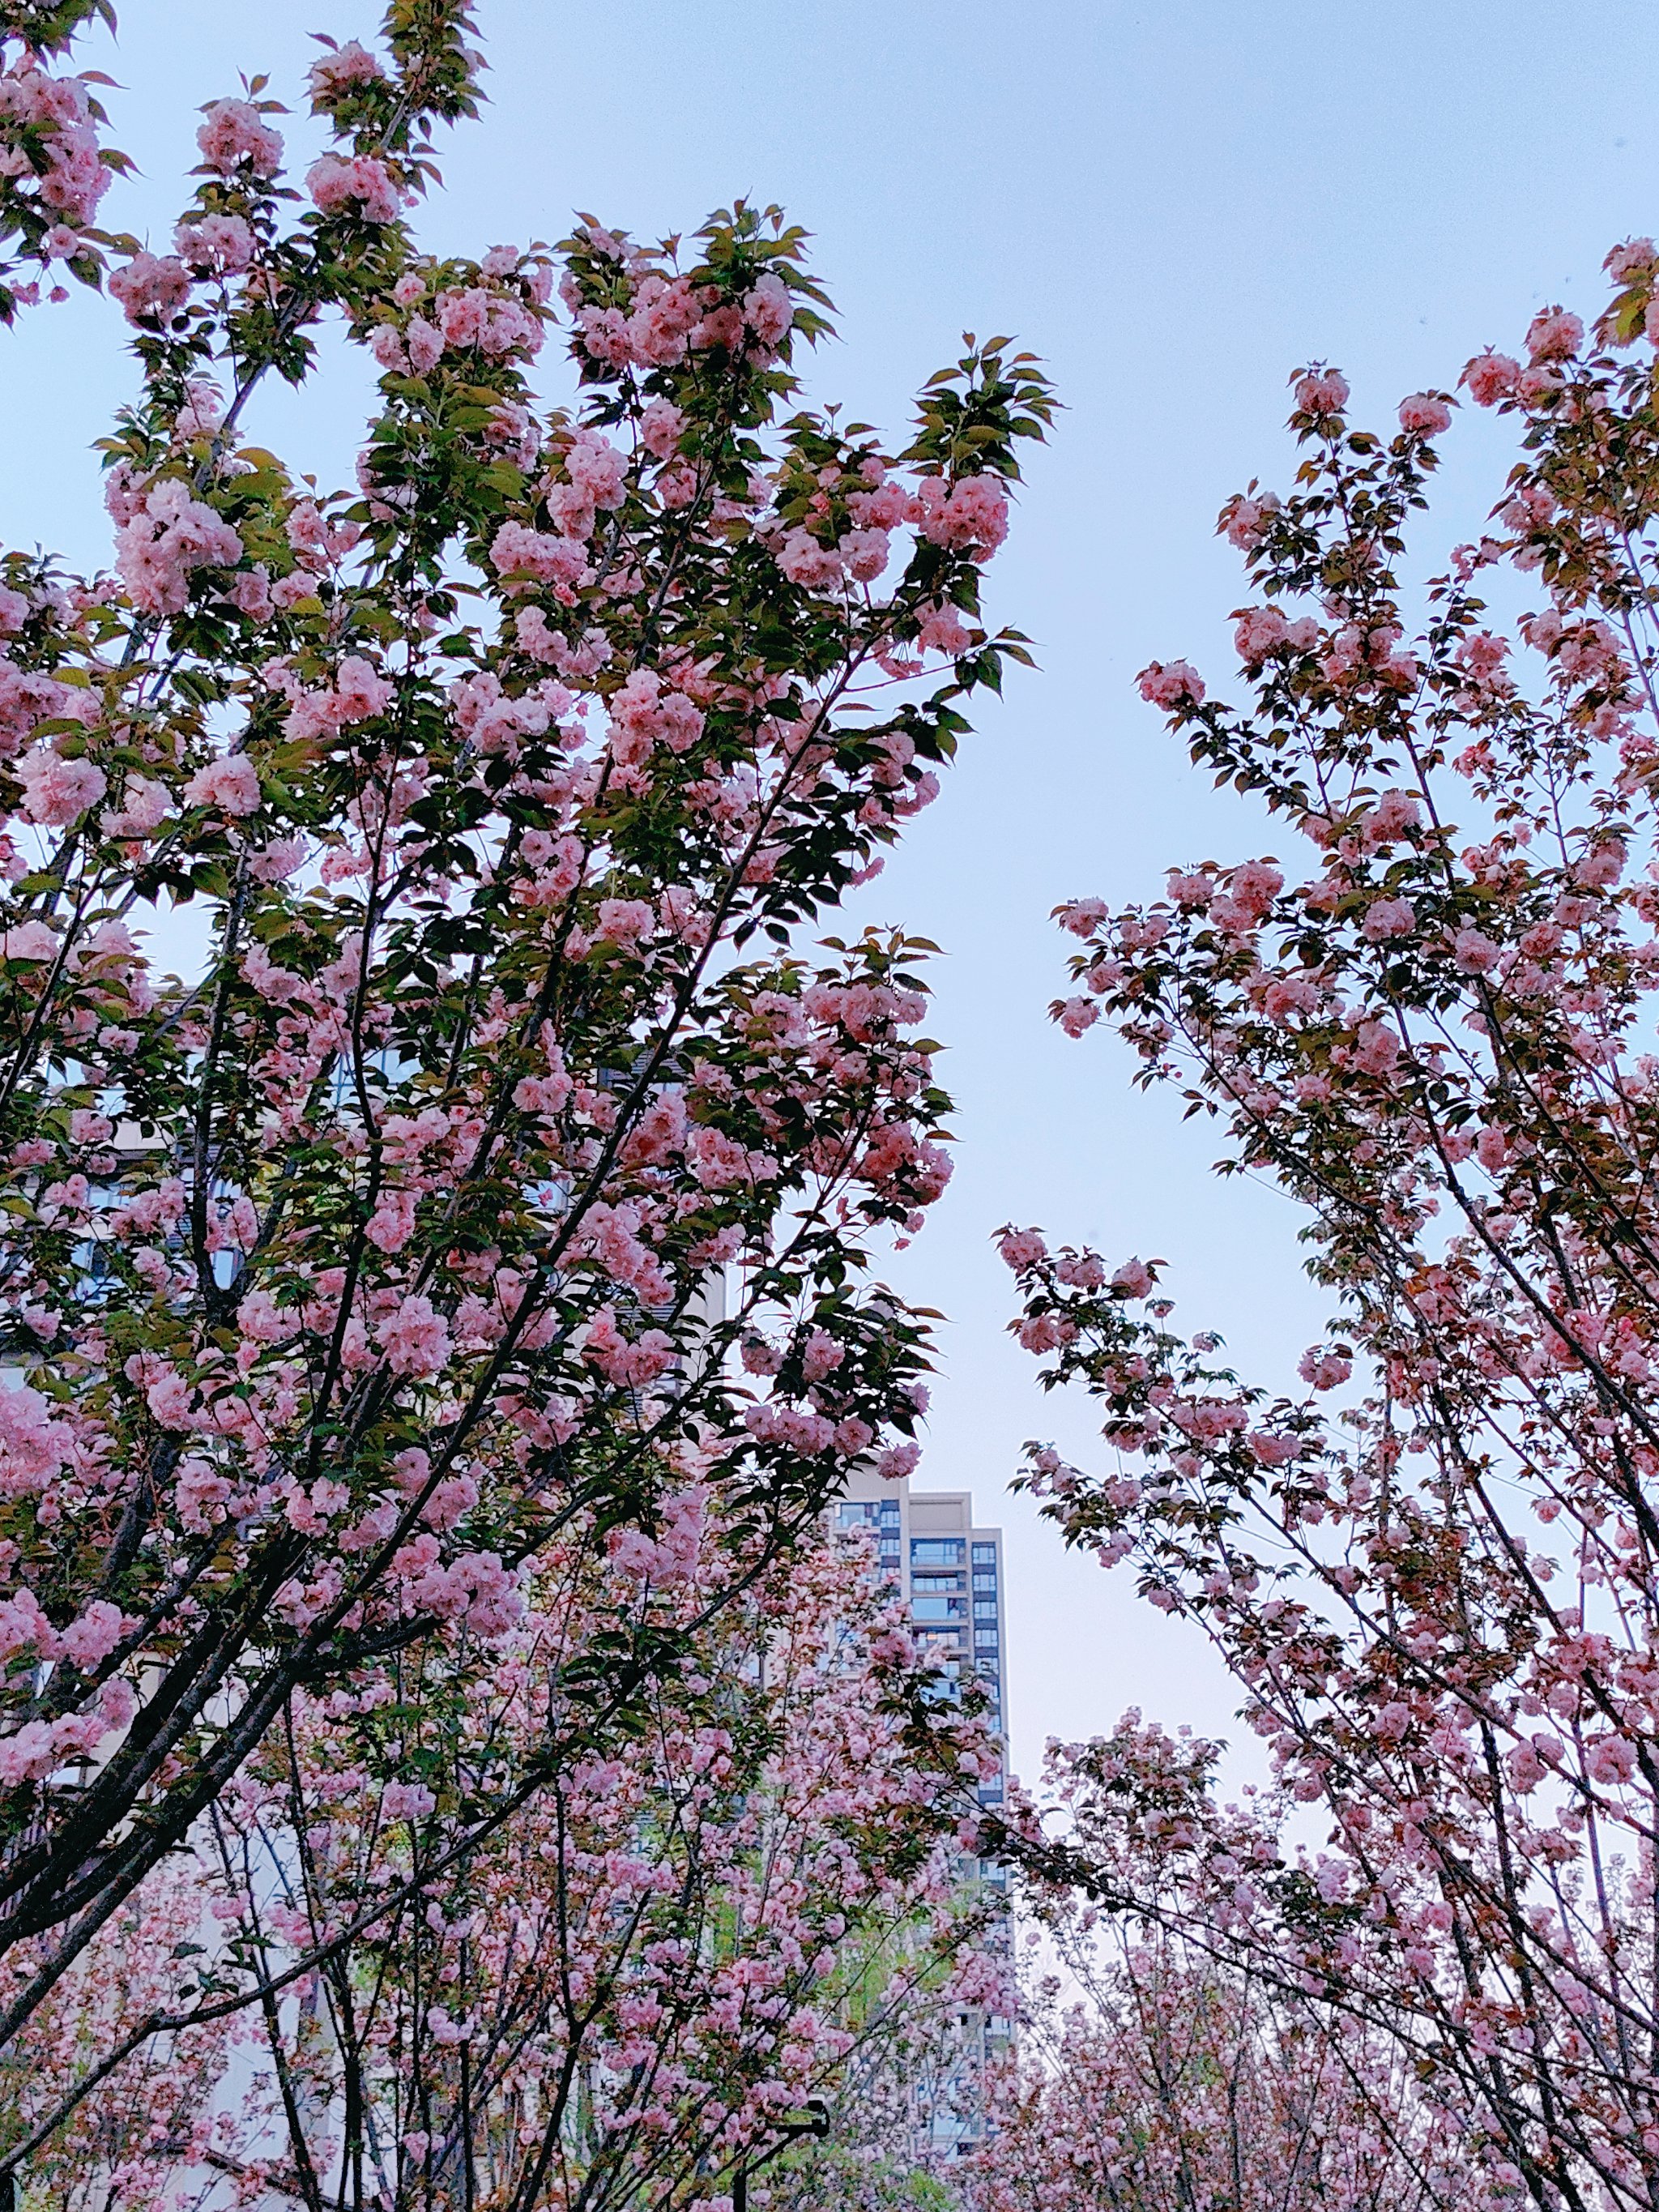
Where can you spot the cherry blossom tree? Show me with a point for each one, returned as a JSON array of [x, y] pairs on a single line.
[[174, 2114], [1157, 2066], [511, 1165], [1429, 1020], [624, 1989]]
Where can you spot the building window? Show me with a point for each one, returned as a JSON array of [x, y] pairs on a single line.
[[985, 1555], [985, 1608], [983, 1581], [936, 1551], [938, 1608]]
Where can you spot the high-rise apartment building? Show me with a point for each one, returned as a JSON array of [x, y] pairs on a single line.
[[950, 1573]]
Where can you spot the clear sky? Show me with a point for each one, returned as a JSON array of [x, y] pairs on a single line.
[[1175, 204]]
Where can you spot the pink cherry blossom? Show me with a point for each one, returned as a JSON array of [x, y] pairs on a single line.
[[230, 783], [234, 135], [169, 537], [223, 244], [768, 310], [55, 789], [1553, 335], [340, 68], [362, 186], [1490, 377], [150, 287], [1424, 414], [1323, 392], [1170, 684], [415, 1337]]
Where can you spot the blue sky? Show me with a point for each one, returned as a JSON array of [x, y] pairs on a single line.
[[1176, 205]]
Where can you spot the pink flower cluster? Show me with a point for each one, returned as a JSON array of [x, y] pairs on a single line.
[[541, 556], [151, 288], [167, 535], [360, 185], [339, 70], [358, 693], [668, 319], [970, 515], [229, 784], [217, 245], [59, 110], [33, 1445], [645, 713], [236, 136], [1171, 683]]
